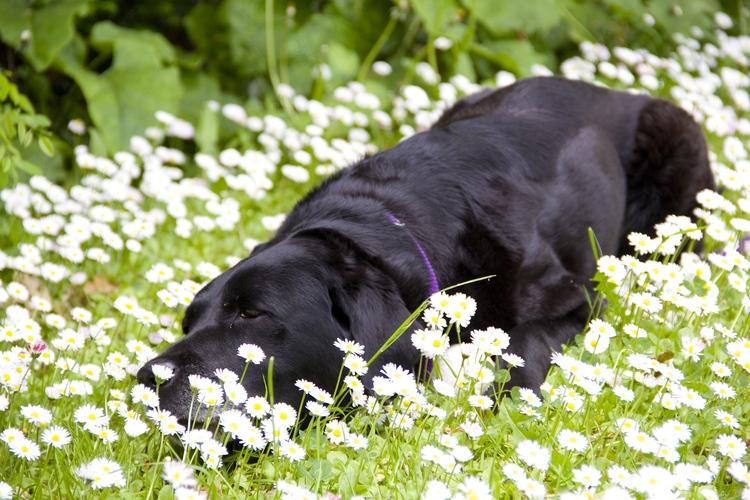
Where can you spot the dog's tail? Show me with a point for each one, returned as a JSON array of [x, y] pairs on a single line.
[[669, 166]]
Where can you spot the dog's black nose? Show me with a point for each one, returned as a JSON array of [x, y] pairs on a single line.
[[165, 370]]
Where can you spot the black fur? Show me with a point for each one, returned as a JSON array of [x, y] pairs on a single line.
[[507, 183]]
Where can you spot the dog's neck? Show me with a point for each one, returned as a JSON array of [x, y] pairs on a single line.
[[434, 287]]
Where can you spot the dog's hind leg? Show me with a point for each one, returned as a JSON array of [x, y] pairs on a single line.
[[550, 297], [669, 166]]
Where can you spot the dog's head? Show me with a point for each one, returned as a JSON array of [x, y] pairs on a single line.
[[293, 299]]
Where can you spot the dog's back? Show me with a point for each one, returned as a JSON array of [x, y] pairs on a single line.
[[662, 150]]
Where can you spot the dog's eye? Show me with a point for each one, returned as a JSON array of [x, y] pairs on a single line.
[[250, 313]]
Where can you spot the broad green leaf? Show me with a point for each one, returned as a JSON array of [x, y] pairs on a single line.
[[343, 61], [633, 7], [465, 66], [320, 30], [15, 17], [337, 458], [586, 20], [456, 32], [320, 469], [319, 39], [96, 143], [435, 14], [199, 88], [122, 101], [203, 27], [166, 493], [514, 55], [52, 28], [244, 21], [132, 48], [323, 38], [366, 18], [681, 15], [376, 86], [510, 16]]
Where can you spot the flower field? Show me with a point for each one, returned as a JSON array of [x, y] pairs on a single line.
[[651, 401]]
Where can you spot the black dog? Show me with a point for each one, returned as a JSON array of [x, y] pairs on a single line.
[[507, 183]]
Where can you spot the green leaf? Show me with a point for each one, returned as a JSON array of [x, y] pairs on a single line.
[[10, 129], [132, 48], [515, 55], [502, 376], [435, 14], [52, 28], [320, 469], [96, 143], [166, 493], [207, 132], [203, 26], [632, 7], [465, 66], [122, 100], [27, 166], [45, 144], [22, 130], [27, 139], [21, 100], [366, 19], [324, 37], [344, 62], [319, 30], [4, 88], [348, 478], [199, 88], [681, 15], [511, 16], [244, 21], [337, 458], [128, 495], [15, 17], [13, 93], [587, 20], [37, 121]]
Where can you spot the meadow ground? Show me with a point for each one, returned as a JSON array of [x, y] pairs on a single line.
[[651, 401]]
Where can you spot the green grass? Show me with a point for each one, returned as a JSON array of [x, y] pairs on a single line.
[[611, 383]]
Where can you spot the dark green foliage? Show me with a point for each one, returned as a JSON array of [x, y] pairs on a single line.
[[113, 63]]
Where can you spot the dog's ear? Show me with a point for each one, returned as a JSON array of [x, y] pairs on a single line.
[[370, 309], [365, 301]]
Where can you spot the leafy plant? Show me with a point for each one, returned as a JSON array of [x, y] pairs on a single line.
[[114, 63], [20, 126], [650, 401]]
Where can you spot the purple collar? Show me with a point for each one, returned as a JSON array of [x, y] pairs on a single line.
[[434, 288]]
